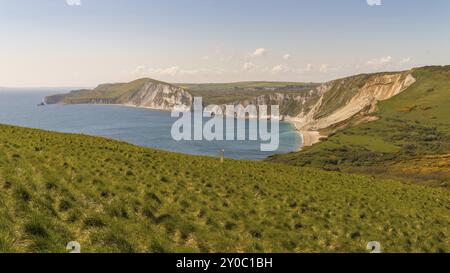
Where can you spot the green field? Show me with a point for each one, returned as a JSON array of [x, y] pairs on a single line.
[[115, 197], [104, 91], [410, 139], [223, 93], [386, 180], [218, 87], [212, 93]]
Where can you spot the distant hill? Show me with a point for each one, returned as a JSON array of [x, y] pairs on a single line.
[[396, 121], [159, 95], [115, 197], [304, 104], [143, 92]]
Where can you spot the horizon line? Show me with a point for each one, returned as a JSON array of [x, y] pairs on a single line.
[[214, 82]]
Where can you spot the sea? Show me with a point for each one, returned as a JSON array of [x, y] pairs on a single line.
[[139, 126]]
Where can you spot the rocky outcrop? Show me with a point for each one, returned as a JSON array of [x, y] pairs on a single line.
[[376, 88], [156, 96], [146, 93], [348, 99], [316, 112], [54, 99], [333, 105], [289, 104]]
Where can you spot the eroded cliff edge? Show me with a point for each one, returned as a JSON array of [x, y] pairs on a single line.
[[146, 93], [316, 112], [348, 101]]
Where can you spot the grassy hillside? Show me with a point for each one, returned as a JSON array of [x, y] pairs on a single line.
[[212, 93], [104, 91], [223, 93], [115, 197], [410, 139], [217, 87]]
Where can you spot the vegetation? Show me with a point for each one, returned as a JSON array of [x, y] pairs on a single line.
[[115, 197], [107, 92], [410, 138], [217, 93], [218, 87], [223, 93]]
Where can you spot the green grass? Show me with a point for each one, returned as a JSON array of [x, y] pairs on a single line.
[[411, 138], [219, 93], [107, 92], [223, 93], [217, 87], [373, 143], [115, 197]]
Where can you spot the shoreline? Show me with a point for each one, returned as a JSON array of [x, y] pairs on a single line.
[[307, 138]]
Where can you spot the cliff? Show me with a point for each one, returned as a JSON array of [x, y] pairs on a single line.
[[334, 105], [316, 110], [140, 93], [346, 101], [408, 136]]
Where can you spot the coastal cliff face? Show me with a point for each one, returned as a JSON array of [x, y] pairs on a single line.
[[140, 93], [157, 96], [316, 112], [289, 104], [349, 100], [336, 104]]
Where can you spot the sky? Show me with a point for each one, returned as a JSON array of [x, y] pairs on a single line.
[[82, 43]]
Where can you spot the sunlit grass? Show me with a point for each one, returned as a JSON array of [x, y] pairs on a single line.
[[115, 197]]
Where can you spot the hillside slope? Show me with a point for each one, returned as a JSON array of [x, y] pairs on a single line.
[[115, 197], [311, 107], [159, 95], [349, 100], [141, 93], [409, 135]]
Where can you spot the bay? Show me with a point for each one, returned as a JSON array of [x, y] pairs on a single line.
[[144, 127]]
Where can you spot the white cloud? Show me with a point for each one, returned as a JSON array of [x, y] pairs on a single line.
[[323, 68], [225, 59], [73, 2], [374, 2], [170, 71], [173, 71], [405, 60], [385, 60], [259, 52], [287, 57], [249, 67], [381, 61], [140, 70], [143, 71], [280, 69]]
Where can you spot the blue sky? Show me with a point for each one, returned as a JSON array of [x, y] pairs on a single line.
[[52, 43]]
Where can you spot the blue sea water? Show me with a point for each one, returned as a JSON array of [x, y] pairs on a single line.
[[148, 128]]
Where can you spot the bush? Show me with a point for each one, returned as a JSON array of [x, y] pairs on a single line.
[[94, 221]]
